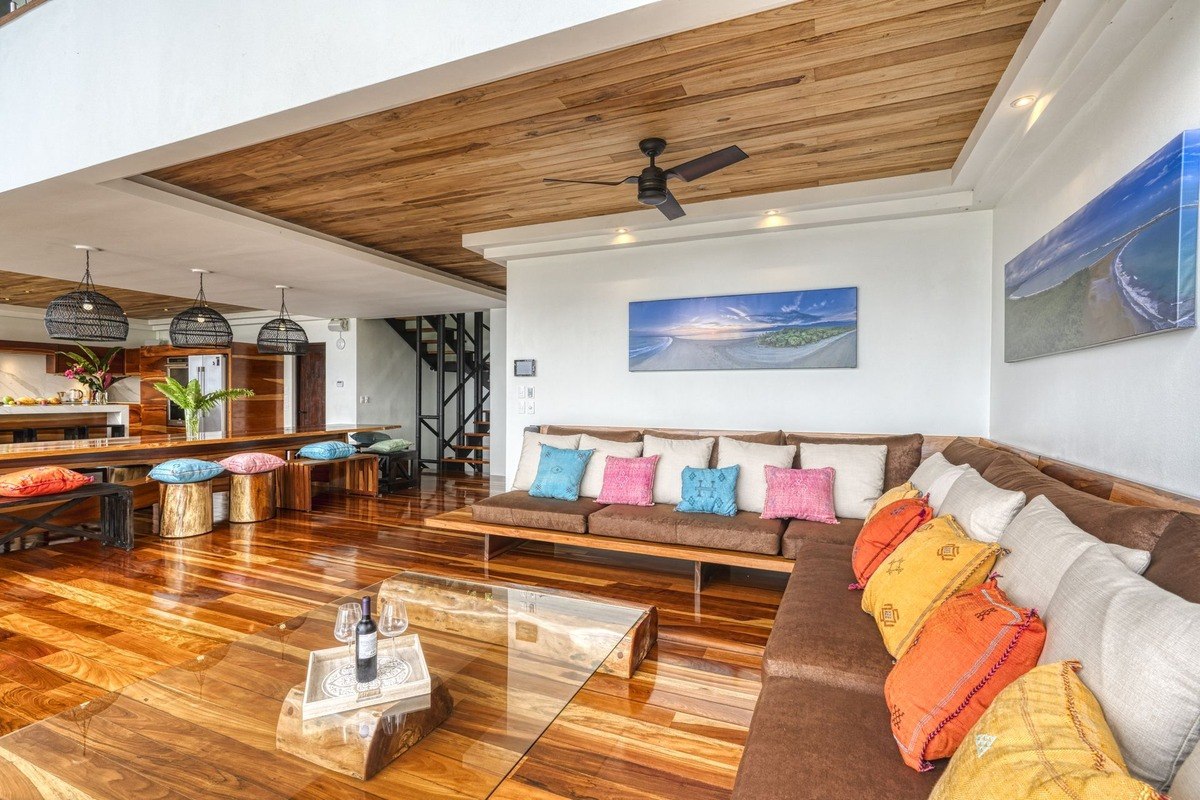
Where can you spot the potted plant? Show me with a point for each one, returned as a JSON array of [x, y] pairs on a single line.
[[93, 372], [194, 402]]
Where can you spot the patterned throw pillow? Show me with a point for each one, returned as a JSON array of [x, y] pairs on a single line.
[[937, 561], [559, 473], [799, 494], [186, 470], [326, 451], [883, 533], [251, 463], [628, 481], [972, 647], [710, 491], [905, 491], [37, 481], [1043, 736]]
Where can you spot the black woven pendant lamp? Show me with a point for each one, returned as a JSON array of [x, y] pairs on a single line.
[[85, 314], [201, 325], [282, 335]]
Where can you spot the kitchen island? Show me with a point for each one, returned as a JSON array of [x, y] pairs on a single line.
[[29, 423]]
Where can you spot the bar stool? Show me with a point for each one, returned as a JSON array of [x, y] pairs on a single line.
[[185, 496], [252, 489]]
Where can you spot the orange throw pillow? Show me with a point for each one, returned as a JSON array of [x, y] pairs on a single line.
[[884, 532], [972, 646], [41, 480]]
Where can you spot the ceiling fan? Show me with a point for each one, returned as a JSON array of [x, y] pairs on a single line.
[[652, 182]]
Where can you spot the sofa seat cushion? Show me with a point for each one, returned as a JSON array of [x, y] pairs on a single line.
[[744, 531], [810, 740], [800, 532], [903, 452], [1138, 527], [820, 631], [520, 509]]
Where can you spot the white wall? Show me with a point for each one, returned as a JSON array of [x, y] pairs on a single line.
[[1128, 408], [386, 378], [501, 370], [923, 350]]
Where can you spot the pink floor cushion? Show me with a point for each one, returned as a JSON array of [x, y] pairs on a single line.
[[251, 463], [628, 481], [800, 494]]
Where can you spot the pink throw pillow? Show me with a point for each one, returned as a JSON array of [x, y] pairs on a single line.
[[628, 481], [800, 494], [251, 463]]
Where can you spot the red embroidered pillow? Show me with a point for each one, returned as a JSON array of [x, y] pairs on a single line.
[[799, 494], [884, 532], [628, 481], [41, 480], [970, 648]]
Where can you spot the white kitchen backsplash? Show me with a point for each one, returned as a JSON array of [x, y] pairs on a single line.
[[24, 375]]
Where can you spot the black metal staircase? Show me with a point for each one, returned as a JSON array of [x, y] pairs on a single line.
[[453, 347]]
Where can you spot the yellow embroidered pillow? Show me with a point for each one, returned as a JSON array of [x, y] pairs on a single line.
[[935, 563], [905, 491], [1044, 736]]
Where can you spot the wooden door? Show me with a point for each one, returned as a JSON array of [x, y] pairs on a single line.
[[310, 387]]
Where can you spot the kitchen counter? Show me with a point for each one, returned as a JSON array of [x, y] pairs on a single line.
[[71, 420]]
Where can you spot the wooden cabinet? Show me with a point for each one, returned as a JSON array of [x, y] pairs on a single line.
[[57, 363]]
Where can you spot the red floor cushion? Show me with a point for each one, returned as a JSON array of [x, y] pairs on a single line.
[[37, 481]]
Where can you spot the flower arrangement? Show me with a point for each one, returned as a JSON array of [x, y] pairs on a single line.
[[92, 370]]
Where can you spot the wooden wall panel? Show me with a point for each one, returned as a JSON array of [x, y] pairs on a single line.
[[264, 374]]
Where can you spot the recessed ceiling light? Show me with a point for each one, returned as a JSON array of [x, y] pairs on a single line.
[[771, 212], [622, 230], [1024, 101]]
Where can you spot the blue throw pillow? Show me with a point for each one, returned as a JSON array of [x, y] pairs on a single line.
[[326, 450], [559, 473], [710, 491], [186, 470]]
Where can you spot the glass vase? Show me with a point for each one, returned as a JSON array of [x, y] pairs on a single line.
[[99, 397], [191, 421]]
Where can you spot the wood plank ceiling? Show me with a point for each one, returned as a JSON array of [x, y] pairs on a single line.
[[37, 292], [819, 92]]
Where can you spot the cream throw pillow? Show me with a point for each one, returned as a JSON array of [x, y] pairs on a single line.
[[934, 477], [593, 476], [983, 509], [531, 455], [753, 458], [673, 456], [858, 474]]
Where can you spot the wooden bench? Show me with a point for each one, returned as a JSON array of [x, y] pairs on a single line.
[[357, 474], [115, 515], [499, 539]]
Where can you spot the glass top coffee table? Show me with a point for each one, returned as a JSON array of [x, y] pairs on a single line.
[[504, 661]]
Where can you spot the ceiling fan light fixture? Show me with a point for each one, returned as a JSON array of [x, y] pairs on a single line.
[[201, 325], [85, 314], [282, 335]]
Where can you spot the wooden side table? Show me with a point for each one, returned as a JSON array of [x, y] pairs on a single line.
[[251, 497], [185, 509]]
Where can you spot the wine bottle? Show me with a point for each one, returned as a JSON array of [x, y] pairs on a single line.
[[366, 666]]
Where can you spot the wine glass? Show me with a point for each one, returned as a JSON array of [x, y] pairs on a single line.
[[393, 619], [348, 615]]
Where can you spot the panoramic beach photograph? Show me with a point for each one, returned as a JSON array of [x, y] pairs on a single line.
[[1122, 266], [777, 330]]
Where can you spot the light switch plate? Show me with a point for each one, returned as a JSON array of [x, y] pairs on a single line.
[[529, 406], [521, 393], [529, 392], [520, 406]]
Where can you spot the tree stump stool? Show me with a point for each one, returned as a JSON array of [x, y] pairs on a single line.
[[252, 497], [185, 509]]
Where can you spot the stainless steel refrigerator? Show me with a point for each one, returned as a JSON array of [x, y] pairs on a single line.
[[210, 371]]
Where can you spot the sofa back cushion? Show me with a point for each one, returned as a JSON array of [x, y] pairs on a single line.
[[1175, 562], [903, 452], [757, 437], [965, 452], [593, 476], [1138, 527], [609, 434], [1138, 646], [674, 454], [531, 455]]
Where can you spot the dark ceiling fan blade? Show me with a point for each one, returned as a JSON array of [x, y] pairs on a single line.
[[630, 179], [706, 165], [670, 207]]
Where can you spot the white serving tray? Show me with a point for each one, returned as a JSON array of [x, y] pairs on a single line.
[[330, 686]]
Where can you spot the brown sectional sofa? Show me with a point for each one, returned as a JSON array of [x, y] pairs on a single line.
[[746, 531], [821, 728]]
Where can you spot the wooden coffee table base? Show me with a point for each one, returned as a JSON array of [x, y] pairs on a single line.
[[362, 742]]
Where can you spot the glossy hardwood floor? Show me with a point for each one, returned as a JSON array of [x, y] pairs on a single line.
[[78, 620]]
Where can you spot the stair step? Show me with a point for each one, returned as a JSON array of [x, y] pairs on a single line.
[[483, 447], [476, 434], [479, 461]]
